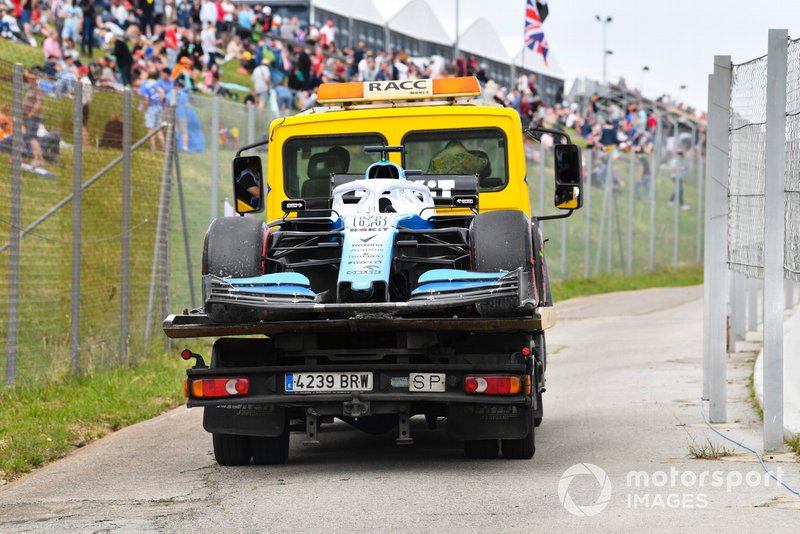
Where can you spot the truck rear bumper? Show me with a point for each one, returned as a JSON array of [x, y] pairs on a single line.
[[268, 388]]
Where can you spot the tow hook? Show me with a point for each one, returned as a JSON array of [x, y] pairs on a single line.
[[355, 408], [186, 354]]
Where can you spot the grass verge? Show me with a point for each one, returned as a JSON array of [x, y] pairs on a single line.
[[42, 423], [708, 450], [584, 287]]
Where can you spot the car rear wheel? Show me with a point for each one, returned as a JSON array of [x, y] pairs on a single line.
[[231, 449], [233, 247], [501, 241], [481, 449]]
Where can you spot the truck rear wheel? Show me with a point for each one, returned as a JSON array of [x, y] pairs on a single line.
[[481, 449], [539, 413], [233, 247], [501, 241], [270, 451], [231, 449], [520, 449]]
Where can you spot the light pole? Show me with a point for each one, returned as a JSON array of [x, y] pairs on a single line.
[[680, 95], [604, 21], [641, 87], [455, 47]]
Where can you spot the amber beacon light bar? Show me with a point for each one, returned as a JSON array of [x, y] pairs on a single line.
[[332, 93]]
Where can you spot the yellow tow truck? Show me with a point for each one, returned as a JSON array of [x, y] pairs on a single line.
[[398, 273]]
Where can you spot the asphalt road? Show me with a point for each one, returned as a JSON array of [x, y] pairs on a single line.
[[623, 381]]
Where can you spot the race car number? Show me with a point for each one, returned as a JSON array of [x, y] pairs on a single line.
[[327, 382], [370, 221]]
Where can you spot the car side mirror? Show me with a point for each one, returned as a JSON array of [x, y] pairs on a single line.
[[569, 177], [248, 184]]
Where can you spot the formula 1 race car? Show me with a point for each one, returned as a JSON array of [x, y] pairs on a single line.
[[380, 247]]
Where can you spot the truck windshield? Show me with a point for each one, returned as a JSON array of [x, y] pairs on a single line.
[[309, 161], [464, 151]]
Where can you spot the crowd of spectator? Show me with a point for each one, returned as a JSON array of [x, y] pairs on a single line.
[[157, 46]]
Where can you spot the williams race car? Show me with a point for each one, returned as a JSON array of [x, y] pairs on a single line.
[[381, 247]]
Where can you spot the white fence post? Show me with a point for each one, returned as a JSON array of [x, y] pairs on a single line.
[[719, 104], [774, 238]]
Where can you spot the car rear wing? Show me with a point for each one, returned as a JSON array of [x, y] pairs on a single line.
[[444, 187]]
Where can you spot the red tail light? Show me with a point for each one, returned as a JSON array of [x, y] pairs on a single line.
[[220, 387], [493, 384]]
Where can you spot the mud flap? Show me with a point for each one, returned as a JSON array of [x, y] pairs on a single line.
[[245, 420], [488, 421]]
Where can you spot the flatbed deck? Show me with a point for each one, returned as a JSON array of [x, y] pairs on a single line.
[[189, 325]]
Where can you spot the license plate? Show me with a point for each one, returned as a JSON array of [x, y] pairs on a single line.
[[327, 382], [429, 382]]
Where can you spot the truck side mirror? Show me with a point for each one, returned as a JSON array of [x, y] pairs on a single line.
[[248, 184], [569, 177]]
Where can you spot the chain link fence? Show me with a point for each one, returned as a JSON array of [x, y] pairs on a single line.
[[792, 171], [747, 140], [106, 234], [209, 132], [747, 169], [753, 208], [633, 220], [78, 222]]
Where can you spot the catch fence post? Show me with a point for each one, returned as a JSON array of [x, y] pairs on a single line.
[[169, 156], [15, 229], [653, 182], [563, 270], [250, 109], [774, 238], [77, 222], [127, 126], [603, 234], [707, 269], [716, 237], [162, 224], [610, 212], [186, 247], [214, 157], [587, 208], [542, 155], [676, 219], [631, 179]]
